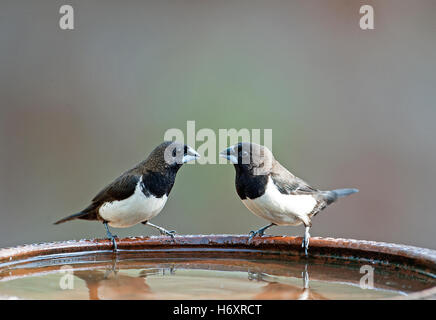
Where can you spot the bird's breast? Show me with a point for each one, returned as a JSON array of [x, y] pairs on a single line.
[[137, 208], [281, 209]]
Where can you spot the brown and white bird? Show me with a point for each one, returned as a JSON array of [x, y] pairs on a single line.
[[140, 193], [271, 192]]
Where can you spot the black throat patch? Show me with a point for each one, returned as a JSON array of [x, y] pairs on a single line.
[[157, 183], [249, 185]]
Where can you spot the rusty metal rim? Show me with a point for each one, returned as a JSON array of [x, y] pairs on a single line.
[[319, 247], [407, 257]]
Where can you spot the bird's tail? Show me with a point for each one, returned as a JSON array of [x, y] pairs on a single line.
[[333, 195], [77, 215]]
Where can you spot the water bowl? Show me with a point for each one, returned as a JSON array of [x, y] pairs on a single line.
[[217, 267]]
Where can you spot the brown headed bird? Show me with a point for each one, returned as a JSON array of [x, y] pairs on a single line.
[[140, 193], [271, 192]]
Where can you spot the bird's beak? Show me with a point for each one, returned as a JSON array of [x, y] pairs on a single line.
[[190, 155], [228, 154], [225, 154]]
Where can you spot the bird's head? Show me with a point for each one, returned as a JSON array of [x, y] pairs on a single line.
[[171, 155], [249, 157]]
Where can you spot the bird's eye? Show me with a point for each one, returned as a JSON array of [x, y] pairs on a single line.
[[174, 152], [185, 150]]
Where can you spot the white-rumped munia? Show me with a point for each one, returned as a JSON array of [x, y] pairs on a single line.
[[271, 192], [140, 193]]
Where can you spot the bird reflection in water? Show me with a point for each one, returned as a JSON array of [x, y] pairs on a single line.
[[280, 291], [111, 285]]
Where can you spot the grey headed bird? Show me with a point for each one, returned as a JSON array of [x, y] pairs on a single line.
[[140, 193], [271, 192]]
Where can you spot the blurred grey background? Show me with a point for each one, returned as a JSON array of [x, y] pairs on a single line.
[[348, 108]]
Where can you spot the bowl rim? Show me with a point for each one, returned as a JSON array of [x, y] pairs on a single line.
[[412, 258]]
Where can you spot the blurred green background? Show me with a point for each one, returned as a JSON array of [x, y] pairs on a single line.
[[348, 108]]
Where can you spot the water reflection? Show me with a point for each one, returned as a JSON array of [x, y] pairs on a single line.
[[282, 291], [134, 277], [111, 284], [115, 286]]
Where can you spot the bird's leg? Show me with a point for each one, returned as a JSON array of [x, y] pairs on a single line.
[[258, 276], [111, 236], [162, 231], [305, 275], [305, 242], [260, 232], [112, 269]]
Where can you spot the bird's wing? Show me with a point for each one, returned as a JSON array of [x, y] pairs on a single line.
[[122, 188], [287, 183]]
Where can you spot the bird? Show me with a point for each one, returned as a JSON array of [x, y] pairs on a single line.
[[282, 291], [273, 193], [140, 193]]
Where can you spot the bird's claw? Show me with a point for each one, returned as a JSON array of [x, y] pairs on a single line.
[[111, 237], [170, 233], [114, 242], [252, 234], [259, 232], [305, 242]]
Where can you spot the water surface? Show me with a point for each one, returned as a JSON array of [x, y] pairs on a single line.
[[134, 276]]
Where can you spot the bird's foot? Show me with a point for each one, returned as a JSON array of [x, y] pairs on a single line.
[[253, 233], [111, 237], [259, 232], [257, 276], [114, 241], [113, 269], [305, 276], [165, 232], [306, 240]]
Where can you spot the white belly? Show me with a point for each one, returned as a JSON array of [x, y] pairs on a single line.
[[135, 209], [281, 209]]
